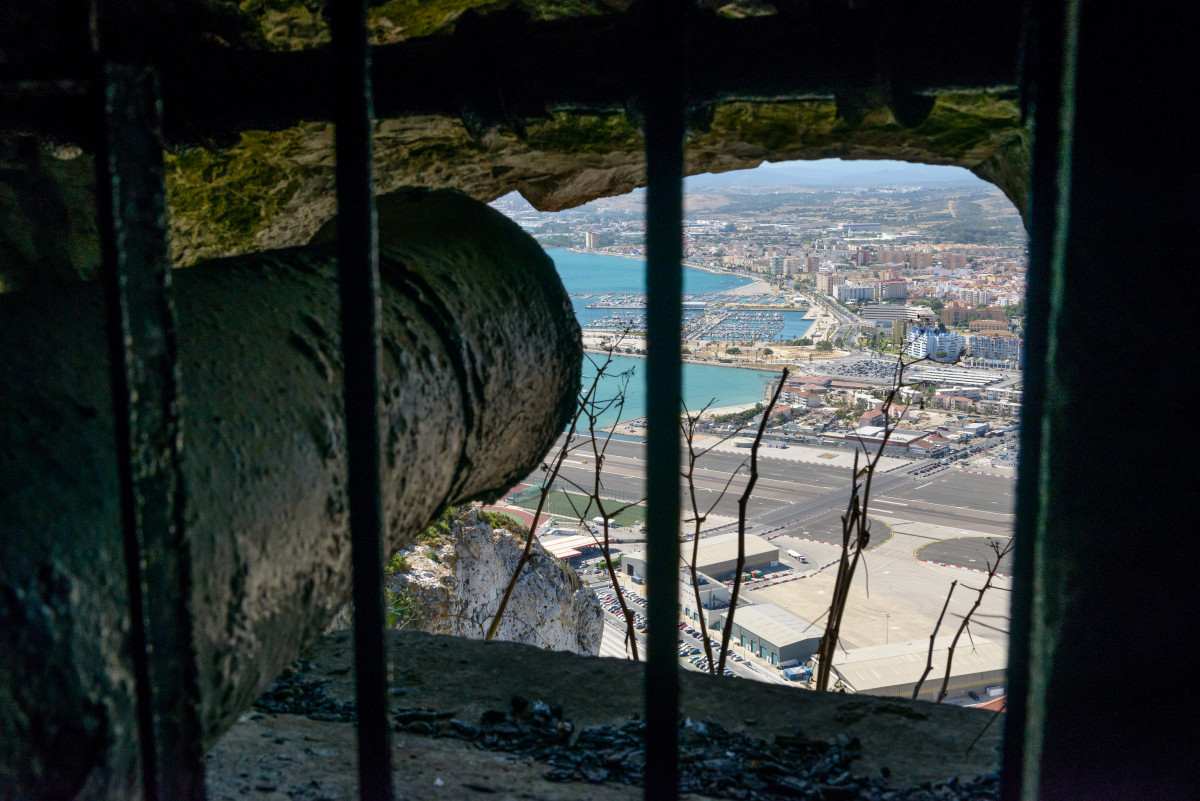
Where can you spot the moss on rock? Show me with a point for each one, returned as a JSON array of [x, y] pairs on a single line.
[[275, 189], [583, 133], [301, 24]]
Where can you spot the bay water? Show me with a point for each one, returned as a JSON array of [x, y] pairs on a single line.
[[588, 273]]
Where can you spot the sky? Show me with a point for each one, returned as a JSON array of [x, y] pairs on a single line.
[[835, 172]]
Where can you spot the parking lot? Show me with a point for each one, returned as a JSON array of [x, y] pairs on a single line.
[[873, 370], [691, 651]]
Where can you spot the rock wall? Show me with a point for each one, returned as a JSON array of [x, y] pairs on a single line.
[[456, 585], [236, 189], [273, 189]]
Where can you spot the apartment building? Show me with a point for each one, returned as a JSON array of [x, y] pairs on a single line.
[[851, 293], [974, 297], [892, 290], [954, 261], [827, 281], [1000, 348], [895, 311], [957, 312], [922, 341], [919, 260]]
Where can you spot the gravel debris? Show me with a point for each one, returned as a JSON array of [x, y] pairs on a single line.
[[295, 694], [713, 760]]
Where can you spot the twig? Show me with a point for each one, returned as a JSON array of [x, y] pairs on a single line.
[[856, 533], [606, 518], [986, 726], [991, 574], [552, 470], [688, 425], [743, 503], [929, 663]]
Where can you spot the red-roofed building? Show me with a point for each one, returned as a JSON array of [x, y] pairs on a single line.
[[872, 418], [995, 705], [929, 445]]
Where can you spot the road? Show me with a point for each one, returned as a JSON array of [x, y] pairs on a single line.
[[790, 493]]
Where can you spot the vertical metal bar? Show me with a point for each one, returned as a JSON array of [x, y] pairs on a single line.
[[663, 109], [358, 276], [131, 199], [1042, 90]]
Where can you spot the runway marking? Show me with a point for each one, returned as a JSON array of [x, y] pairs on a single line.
[[923, 486], [894, 503]]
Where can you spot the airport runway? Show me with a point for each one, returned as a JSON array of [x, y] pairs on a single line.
[[789, 496]]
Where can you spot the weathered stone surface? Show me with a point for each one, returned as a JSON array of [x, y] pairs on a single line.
[[480, 367], [915, 741], [459, 591], [300, 24], [274, 189]]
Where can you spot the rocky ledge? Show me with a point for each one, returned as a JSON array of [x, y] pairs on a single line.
[[451, 581], [503, 720]]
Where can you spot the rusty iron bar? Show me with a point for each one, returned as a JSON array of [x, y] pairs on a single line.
[[358, 280], [147, 394], [1043, 96], [662, 104]]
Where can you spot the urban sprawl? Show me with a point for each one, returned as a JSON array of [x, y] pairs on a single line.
[[937, 274]]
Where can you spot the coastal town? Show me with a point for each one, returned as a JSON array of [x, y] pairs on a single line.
[[839, 286], [872, 273]]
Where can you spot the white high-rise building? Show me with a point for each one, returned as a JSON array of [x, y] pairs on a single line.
[[922, 341]]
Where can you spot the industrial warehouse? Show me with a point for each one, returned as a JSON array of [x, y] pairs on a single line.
[[717, 557], [978, 669], [775, 635]]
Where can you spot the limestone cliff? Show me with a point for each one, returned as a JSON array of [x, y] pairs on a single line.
[[452, 583]]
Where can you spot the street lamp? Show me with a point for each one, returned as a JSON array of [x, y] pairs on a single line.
[[887, 616]]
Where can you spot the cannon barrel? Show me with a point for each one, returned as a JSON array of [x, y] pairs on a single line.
[[479, 372]]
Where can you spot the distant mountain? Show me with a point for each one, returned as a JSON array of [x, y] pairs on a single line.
[[835, 172]]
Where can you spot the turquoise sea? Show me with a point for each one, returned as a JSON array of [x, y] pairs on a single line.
[[592, 273], [596, 274], [702, 383]]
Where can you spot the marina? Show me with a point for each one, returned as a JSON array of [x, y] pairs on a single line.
[[619, 300], [720, 323]]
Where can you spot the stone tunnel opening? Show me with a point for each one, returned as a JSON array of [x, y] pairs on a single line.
[[244, 175], [789, 230]]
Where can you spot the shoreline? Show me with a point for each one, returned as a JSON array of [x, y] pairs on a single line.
[[691, 360], [711, 271]]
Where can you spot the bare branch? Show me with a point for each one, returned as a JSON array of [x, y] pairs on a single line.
[[966, 621], [929, 663], [856, 530], [587, 401], [743, 503]]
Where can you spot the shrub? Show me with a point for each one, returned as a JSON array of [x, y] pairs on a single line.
[[403, 609]]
